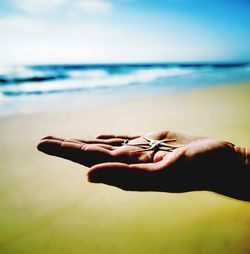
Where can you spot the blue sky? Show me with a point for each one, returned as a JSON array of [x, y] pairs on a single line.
[[103, 31]]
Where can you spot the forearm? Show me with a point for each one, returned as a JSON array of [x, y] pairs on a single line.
[[236, 182]]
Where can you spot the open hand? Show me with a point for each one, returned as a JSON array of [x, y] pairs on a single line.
[[196, 163]]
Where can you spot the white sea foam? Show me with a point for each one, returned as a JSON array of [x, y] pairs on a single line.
[[2, 97], [90, 79], [89, 74], [19, 71]]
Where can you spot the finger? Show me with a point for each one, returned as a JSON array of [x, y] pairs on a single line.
[[142, 177], [161, 161], [49, 146], [106, 146], [61, 139], [107, 165], [84, 154], [159, 155], [120, 175], [73, 141], [108, 136], [112, 141], [109, 147], [53, 137], [81, 142], [154, 166]]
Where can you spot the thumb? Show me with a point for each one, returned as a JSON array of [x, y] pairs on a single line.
[[120, 175]]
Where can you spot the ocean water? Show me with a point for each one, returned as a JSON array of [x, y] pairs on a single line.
[[38, 88]]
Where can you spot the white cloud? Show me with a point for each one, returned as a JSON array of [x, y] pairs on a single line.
[[95, 6], [33, 40], [39, 6], [70, 6]]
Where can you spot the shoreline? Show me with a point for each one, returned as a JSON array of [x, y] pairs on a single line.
[[116, 101]]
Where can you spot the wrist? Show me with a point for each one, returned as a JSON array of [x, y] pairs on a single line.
[[233, 180], [244, 155]]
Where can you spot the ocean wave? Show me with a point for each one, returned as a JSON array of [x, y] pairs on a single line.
[[10, 81], [38, 80], [44, 88], [21, 74], [81, 80]]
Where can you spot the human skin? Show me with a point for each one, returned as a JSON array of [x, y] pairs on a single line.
[[199, 163]]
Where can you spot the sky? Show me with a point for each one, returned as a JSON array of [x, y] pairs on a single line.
[[117, 31]]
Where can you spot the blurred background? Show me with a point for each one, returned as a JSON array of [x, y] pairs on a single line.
[[59, 54], [83, 67]]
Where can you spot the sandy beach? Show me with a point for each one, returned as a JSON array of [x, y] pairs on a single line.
[[47, 206]]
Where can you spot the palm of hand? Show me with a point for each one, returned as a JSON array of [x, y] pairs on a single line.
[[185, 168]]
